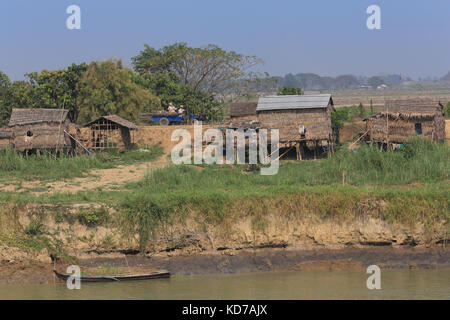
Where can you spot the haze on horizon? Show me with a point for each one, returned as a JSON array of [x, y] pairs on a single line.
[[324, 37]]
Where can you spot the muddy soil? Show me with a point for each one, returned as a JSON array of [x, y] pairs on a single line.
[[261, 260]]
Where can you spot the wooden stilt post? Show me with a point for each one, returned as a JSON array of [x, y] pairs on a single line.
[[328, 148], [315, 149]]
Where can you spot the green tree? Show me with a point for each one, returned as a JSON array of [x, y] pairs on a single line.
[[168, 89], [447, 110], [18, 94], [109, 88], [209, 69], [58, 88], [338, 119], [4, 82], [4, 108], [288, 90]]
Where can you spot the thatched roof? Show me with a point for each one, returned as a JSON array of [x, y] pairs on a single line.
[[403, 116], [413, 105], [31, 116], [316, 101], [117, 120], [245, 108]]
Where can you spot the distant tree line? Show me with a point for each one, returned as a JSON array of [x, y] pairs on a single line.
[[312, 81]]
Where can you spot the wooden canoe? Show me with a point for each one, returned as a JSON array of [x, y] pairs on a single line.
[[131, 277]]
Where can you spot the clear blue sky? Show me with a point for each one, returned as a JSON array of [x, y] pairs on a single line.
[[327, 37]]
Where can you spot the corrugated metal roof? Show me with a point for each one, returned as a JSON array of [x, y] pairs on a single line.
[[294, 102], [30, 116]]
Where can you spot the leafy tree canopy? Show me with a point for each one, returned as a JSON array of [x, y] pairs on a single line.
[[288, 90], [109, 88], [57, 89], [168, 89], [209, 69], [447, 110]]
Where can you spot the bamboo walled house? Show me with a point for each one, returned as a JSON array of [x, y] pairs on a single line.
[[303, 121], [41, 129], [403, 118], [109, 132]]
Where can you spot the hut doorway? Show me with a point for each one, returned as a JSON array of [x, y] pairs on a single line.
[[418, 128]]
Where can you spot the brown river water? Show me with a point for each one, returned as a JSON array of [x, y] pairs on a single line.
[[395, 284]]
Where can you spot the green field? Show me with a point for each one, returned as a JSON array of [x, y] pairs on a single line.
[[409, 185]]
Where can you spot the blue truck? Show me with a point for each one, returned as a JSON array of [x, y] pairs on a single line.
[[164, 118]]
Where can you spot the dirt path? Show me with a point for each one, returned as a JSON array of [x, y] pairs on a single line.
[[104, 179]]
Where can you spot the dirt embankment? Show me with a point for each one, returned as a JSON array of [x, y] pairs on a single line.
[[280, 242], [151, 135]]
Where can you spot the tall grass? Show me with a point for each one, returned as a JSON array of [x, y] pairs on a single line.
[[417, 161], [15, 165], [212, 190]]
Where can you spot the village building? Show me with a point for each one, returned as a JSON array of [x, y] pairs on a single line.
[[109, 132], [403, 118], [41, 129], [303, 121], [243, 115], [6, 137]]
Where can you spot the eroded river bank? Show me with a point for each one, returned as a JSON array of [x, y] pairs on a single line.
[[349, 259]]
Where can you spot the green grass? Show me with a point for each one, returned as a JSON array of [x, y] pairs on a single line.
[[417, 161], [15, 165], [412, 183], [213, 192]]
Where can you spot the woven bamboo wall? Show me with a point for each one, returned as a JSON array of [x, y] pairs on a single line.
[[317, 123], [5, 138], [400, 130], [45, 136], [121, 138], [243, 118], [5, 143]]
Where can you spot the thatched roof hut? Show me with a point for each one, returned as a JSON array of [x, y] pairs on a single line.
[[404, 118], [110, 132], [35, 129]]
